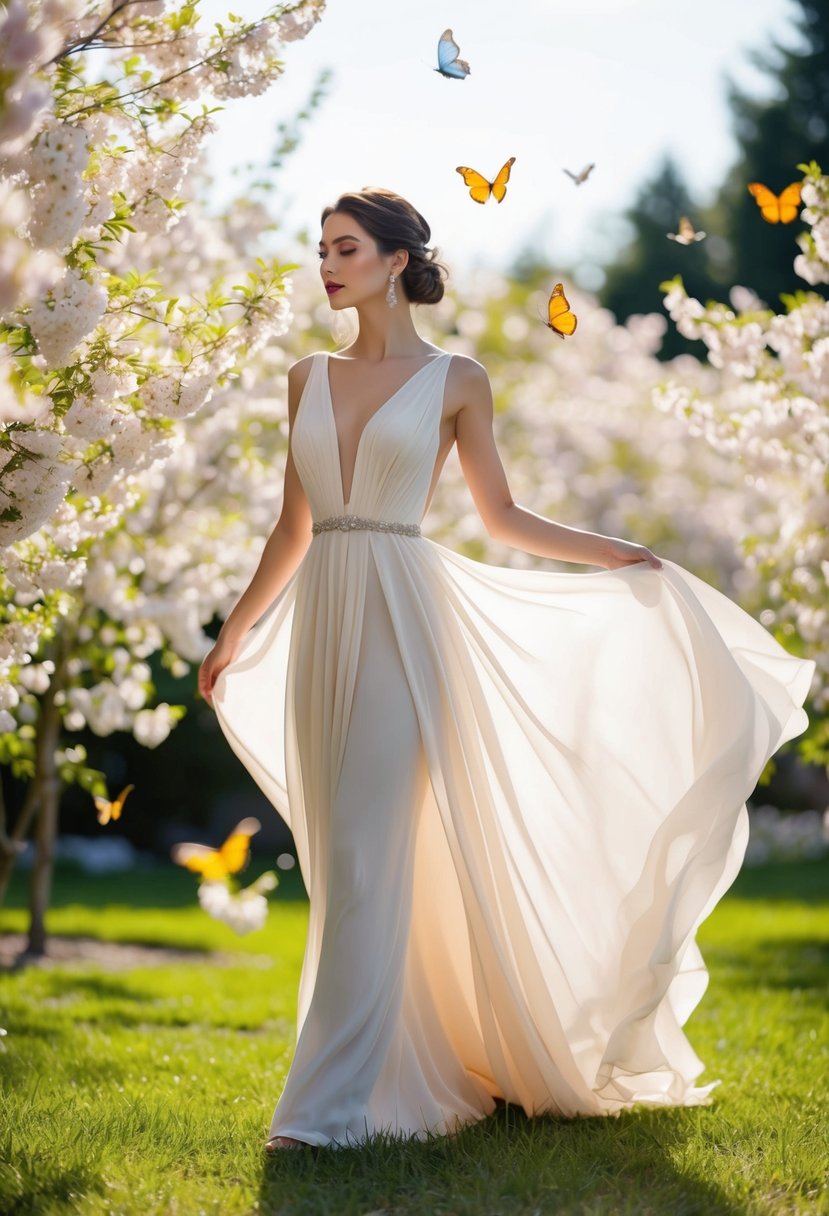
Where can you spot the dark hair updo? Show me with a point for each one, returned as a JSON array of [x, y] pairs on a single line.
[[395, 224]]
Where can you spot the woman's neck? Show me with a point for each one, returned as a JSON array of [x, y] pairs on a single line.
[[386, 333]]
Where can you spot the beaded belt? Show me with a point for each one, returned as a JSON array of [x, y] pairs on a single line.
[[346, 522]]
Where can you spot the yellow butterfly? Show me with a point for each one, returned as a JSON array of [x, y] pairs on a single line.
[[229, 858], [774, 208], [687, 234], [111, 810], [561, 321], [480, 189]]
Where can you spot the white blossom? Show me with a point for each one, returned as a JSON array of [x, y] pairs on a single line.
[[244, 911], [60, 322], [152, 726], [53, 166]]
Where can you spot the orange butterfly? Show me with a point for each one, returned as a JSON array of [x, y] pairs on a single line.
[[774, 208], [561, 321], [111, 810], [686, 234], [215, 864], [480, 189]]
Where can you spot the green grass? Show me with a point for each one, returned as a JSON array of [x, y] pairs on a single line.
[[150, 1090]]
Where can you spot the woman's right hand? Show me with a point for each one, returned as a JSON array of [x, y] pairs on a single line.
[[213, 664]]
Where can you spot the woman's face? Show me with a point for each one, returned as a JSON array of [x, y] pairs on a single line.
[[352, 268]]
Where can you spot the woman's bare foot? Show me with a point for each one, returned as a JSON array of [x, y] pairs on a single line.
[[276, 1142]]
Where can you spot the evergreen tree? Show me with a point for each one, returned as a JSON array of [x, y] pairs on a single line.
[[774, 136], [632, 281]]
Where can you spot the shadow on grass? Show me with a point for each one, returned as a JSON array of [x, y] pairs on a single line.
[[802, 882], [100, 988], [794, 963], [91, 1070], [161, 886], [507, 1163], [157, 889], [52, 1189], [129, 952]]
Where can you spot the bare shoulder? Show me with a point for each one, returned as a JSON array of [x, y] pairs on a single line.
[[298, 374], [467, 383], [468, 374]]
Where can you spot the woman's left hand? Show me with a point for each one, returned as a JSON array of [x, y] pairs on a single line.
[[616, 553]]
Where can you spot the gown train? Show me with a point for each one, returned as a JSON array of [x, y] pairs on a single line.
[[514, 795]]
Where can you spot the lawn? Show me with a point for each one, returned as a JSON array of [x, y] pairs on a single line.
[[148, 1088]]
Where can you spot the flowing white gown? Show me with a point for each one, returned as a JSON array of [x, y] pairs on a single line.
[[514, 794]]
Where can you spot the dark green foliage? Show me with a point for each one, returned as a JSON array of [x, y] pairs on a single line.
[[773, 136], [632, 282]]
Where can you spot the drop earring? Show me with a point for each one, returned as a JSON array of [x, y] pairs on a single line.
[[391, 294]]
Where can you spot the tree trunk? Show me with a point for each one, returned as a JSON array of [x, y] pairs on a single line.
[[48, 797], [42, 800], [46, 831]]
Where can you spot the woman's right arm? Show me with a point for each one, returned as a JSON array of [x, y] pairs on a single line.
[[284, 550]]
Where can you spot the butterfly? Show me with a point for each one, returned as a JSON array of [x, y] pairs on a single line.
[[578, 178], [480, 189], [111, 810], [560, 320], [687, 234], [774, 208], [448, 63], [215, 864]]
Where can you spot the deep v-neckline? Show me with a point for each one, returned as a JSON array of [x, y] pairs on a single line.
[[332, 415]]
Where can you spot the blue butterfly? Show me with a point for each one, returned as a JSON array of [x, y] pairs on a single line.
[[448, 63]]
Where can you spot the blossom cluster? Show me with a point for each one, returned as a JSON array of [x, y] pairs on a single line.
[[134, 568], [31, 35], [245, 910], [766, 407], [812, 263], [82, 193]]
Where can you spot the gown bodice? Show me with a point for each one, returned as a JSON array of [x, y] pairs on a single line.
[[396, 451]]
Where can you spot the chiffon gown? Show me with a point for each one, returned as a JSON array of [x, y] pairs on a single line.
[[514, 795]]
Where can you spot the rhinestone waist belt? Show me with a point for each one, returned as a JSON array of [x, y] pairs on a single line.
[[345, 523]]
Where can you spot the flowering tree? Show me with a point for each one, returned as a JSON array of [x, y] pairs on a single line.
[[767, 408], [119, 385], [142, 393]]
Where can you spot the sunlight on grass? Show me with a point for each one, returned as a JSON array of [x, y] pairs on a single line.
[[149, 1089]]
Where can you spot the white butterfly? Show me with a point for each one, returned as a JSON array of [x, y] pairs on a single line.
[[448, 63], [578, 178], [686, 234]]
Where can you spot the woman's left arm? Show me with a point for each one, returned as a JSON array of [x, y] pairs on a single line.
[[504, 519]]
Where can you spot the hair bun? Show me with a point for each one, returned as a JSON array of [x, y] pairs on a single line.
[[424, 277], [395, 224]]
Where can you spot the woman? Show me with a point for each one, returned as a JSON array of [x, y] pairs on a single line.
[[514, 794]]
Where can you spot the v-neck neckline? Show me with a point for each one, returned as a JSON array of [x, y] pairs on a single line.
[[369, 421]]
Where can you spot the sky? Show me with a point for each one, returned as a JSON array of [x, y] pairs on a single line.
[[554, 83]]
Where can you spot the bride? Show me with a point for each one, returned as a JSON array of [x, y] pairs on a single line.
[[514, 794]]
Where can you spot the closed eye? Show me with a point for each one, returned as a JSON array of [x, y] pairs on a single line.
[[344, 252]]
